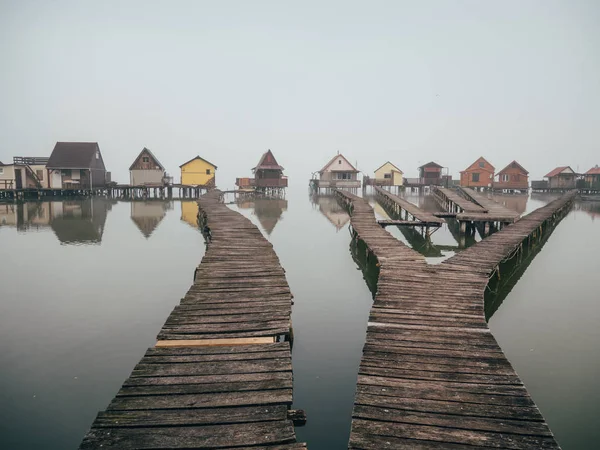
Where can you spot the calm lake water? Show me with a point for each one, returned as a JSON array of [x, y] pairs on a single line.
[[86, 286]]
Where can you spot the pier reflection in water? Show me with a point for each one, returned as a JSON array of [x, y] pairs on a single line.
[[73, 222]]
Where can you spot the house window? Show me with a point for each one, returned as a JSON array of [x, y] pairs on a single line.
[[387, 175], [97, 155], [145, 159], [475, 177], [339, 161], [40, 174], [66, 172], [505, 177], [207, 171], [481, 164], [1, 170]]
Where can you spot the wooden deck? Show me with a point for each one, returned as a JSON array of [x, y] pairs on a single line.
[[406, 206], [498, 212], [432, 375], [220, 375], [455, 202]]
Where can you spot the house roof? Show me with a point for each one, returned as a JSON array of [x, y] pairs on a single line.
[[268, 165], [387, 162], [72, 155], [201, 159], [151, 154], [476, 165], [557, 171], [333, 159], [519, 165], [593, 171], [431, 164]]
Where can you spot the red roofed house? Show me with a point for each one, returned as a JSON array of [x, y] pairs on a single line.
[[562, 178], [513, 176], [480, 174], [268, 173], [592, 178]]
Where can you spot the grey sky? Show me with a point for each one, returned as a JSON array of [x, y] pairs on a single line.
[[405, 81]]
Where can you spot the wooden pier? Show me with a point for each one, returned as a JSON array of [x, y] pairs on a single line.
[[432, 375], [220, 375], [474, 211], [406, 210]]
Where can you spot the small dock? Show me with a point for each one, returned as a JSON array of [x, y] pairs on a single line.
[[432, 375], [220, 374], [474, 211], [413, 216]]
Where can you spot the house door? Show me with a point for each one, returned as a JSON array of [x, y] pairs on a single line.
[[55, 179], [18, 179]]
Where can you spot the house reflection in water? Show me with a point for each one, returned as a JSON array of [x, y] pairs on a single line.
[[268, 210], [330, 208], [189, 212], [147, 215], [73, 221]]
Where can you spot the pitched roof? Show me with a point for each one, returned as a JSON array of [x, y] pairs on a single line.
[[476, 165], [333, 159], [72, 155], [431, 163], [593, 171], [556, 171], [151, 154], [387, 162], [519, 165], [273, 164], [201, 159]]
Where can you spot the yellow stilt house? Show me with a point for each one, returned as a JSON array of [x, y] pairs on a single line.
[[198, 172]]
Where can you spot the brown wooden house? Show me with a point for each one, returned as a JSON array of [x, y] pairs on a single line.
[[430, 174], [592, 178], [480, 174], [268, 173], [76, 165], [512, 177], [146, 170], [562, 178]]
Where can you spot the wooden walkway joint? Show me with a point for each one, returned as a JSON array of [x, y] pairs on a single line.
[[220, 375], [432, 375]]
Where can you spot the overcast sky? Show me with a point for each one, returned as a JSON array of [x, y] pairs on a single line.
[[405, 81]]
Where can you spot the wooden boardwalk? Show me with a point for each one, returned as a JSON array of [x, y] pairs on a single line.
[[455, 203], [494, 209], [220, 375], [401, 204], [432, 375]]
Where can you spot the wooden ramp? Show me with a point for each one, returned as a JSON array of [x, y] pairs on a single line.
[[432, 375], [220, 376], [498, 212], [403, 205], [454, 201]]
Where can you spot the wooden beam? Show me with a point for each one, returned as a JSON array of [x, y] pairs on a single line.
[[215, 342]]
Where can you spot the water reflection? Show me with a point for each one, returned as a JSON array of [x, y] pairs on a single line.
[[590, 208], [72, 221], [514, 202], [268, 210], [147, 215], [331, 209], [189, 213]]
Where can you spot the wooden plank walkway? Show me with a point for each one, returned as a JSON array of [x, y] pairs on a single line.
[[432, 375], [498, 212], [402, 204], [220, 375], [463, 205]]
